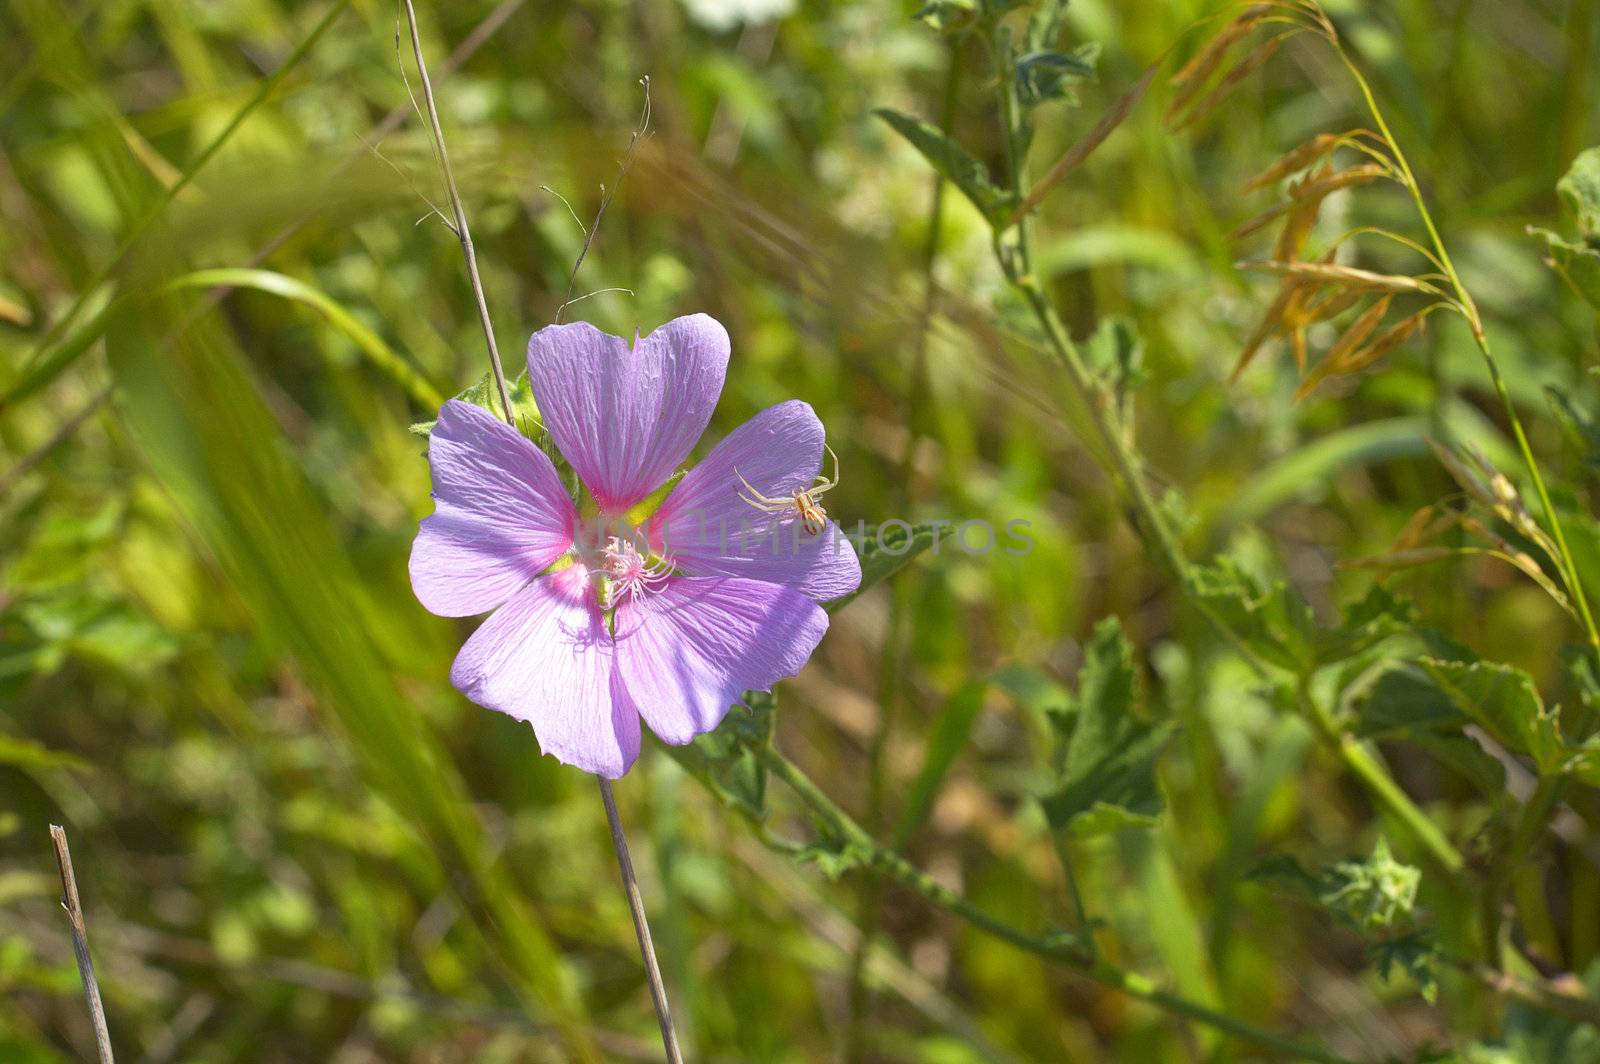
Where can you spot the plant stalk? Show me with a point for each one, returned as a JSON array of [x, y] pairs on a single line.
[[1152, 523], [1067, 951], [80, 943], [619, 841]]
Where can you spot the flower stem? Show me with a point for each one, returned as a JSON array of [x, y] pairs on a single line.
[[641, 926], [1065, 951], [619, 841], [463, 233]]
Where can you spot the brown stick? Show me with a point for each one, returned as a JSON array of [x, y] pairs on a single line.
[[80, 943]]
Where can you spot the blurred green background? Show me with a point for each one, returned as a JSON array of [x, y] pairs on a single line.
[[297, 842]]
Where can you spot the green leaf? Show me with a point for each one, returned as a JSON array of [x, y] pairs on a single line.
[[892, 549], [1044, 26], [1578, 264], [954, 163], [1579, 189], [1504, 702], [1414, 953], [1403, 702], [29, 755], [1371, 895], [483, 393], [1115, 355], [1050, 75], [1106, 757], [834, 855], [722, 758], [1271, 620], [1580, 428]]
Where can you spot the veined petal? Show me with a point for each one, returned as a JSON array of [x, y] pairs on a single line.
[[546, 657], [501, 514], [709, 528], [627, 418], [688, 651]]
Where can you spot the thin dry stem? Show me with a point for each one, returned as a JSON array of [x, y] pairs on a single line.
[[80, 943], [606, 196], [459, 212]]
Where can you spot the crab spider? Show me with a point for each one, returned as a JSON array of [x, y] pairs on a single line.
[[812, 515]]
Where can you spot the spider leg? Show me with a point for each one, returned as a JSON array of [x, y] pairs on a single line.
[[757, 499], [823, 483]]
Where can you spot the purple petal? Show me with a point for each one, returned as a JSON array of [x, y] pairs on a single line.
[[687, 652], [501, 514], [626, 419], [709, 530], [546, 657]]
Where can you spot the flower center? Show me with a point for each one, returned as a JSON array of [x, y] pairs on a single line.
[[628, 572]]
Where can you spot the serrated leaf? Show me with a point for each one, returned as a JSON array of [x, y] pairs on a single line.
[[1106, 757], [1370, 620], [1271, 620], [1402, 702], [1503, 701], [887, 553], [834, 856], [1414, 953], [1373, 894], [953, 162], [722, 758]]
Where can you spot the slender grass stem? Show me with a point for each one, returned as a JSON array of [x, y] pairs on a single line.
[[1569, 569], [1067, 951], [459, 214], [619, 840]]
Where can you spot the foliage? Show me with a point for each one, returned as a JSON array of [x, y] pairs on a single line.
[[1341, 501]]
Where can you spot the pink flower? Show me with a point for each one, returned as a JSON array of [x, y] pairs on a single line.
[[671, 620]]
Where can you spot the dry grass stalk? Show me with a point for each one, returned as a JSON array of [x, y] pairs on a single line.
[[1332, 363], [1194, 74], [1306, 155], [1332, 273], [1214, 99], [1387, 341], [1312, 190]]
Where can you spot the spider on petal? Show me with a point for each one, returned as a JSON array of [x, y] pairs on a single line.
[[803, 501], [667, 622]]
